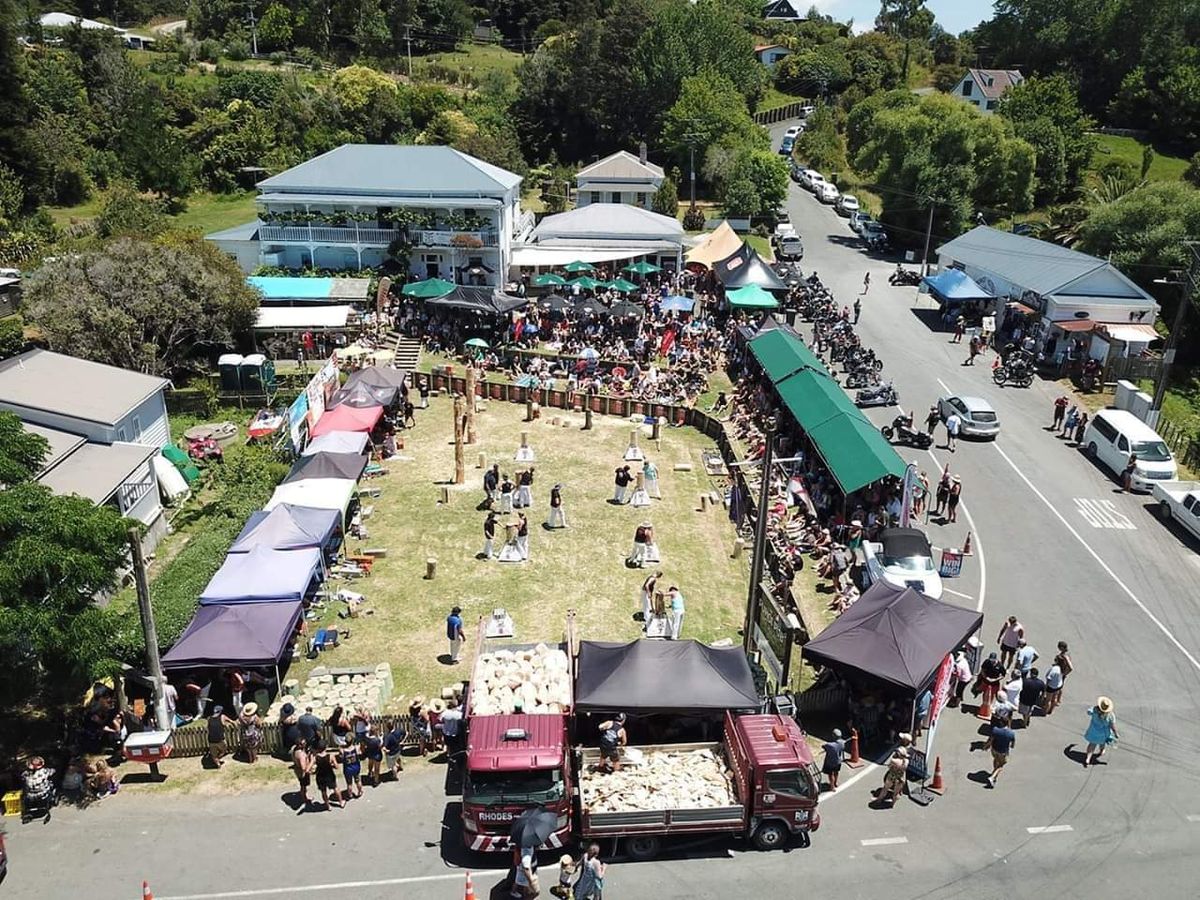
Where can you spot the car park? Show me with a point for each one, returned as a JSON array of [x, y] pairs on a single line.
[[827, 193], [903, 558], [857, 219], [790, 247], [1114, 435], [978, 417], [847, 205]]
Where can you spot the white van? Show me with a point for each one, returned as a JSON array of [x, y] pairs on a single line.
[[1113, 435]]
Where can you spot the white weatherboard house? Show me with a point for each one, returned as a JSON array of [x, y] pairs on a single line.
[[343, 209], [983, 88], [619, 178], [104, 425], [603, 232]]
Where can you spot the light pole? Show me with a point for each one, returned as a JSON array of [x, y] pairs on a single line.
[[760, 538], [1189, 284]]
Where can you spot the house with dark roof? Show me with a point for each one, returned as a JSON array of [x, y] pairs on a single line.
[[619, 178], [343, 209], [104, 427], [983, 88], [786, 10]]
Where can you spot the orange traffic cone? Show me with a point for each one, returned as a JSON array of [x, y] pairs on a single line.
[[985, 707], [938, 786], [966, 547], [855, 759], [146, 894], [470, 894]]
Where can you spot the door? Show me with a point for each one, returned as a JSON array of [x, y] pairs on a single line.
[[784, 792], [1118, 456], [431, 270]]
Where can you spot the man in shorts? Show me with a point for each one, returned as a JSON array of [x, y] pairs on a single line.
[[832, 764], [612, 739], [393, 746], [302, 765], [1000, 742], [1032, 689]]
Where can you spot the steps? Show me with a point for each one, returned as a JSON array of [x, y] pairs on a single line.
[[408, 353]]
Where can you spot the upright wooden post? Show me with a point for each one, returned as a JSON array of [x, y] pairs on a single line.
[[149, 631], [460, 475], [470, 391]]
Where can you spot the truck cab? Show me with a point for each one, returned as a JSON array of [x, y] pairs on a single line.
[[514, 762], [774, 765]]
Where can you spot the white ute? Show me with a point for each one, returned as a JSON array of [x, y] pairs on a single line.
[[1179, 500]]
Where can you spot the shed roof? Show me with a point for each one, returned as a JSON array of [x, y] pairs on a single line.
[[97, 471], [247, 231], [394, 169], [610, 221], [284, 318], [76, 388], [620, 166], [61, 443]]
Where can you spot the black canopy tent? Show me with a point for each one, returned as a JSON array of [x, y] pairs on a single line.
[[328, 465], [362, 394], [644, 677], [744, 266], [379, 376], [484, 300], [896, 636]]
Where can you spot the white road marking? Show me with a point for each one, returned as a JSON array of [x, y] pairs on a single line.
[[1105, 566], [1103, 514], [1048, 829], [1193, 818], [957, 594], [314, 888], [868, 768], [880, 842]]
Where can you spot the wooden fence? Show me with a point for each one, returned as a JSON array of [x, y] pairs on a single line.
[[192, 740], [781, 113], [1183, 442]]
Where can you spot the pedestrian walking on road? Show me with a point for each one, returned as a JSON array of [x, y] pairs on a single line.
[[973, 350], [932, 418], [953, 498], [857, 309], [1000, 742], [1064, 660], [1069, 423], [960, 327], [866, 286], [1032, 689], [1012, 633], [302, 765], [1060, 412], [590, 885], [831, 766], [1026, 656], [953, 425], [1101, 730], [895, 777], [943, 492]]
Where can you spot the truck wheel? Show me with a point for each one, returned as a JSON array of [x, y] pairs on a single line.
[[1164, 510], [770, 836], [643, 847], [1092, 450]]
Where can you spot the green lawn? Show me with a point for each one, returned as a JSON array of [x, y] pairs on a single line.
[[1164, 168], [205, 211], [475, 60], [773, 98], [762, 245]]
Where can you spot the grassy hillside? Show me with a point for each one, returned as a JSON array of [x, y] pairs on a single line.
[[1164, 168]]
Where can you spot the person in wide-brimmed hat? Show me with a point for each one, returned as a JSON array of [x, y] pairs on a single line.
[[251, 726], [1101, 730]]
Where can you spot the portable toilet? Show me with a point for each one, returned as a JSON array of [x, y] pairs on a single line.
[[258, 375], [228, 365]]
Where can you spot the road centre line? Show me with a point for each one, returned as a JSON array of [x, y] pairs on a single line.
[[315, 888], [1048, 829], [881, 842], [1193, 818], [1105, 566]]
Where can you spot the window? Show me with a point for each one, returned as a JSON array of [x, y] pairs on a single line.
[[1122, 444], [1105, 428], [616, 196], [966, 88], [137, 428], [121, 434], [793, 783], [991, 104]]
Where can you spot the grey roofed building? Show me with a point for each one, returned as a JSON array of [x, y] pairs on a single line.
[[608, 222], [61, 444], [97, 471], [383, 169], [621, 166], [76, 388]]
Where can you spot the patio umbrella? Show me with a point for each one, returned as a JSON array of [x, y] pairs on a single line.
[[579, 266], [478, 342], [353, 351], [621, 285], [382, 356], [533, 827], [623, 308], [555, 303], [677, 303], [586, 282], [548, 279], [642, 268], [428, 289], [589, 353], [751, 297], [587, 304]]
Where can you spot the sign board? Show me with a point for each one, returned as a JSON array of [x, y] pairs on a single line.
[[941, 689], [773, 635], [319, 388], [951, 566], [297, 415]]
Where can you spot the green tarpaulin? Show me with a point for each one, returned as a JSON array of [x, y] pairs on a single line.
[[813, 398], [781, 353], [751, 297], [620, 284], [428, 289], [855, 452], [642, 268]]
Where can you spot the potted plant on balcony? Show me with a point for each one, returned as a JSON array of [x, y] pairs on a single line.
[[466, 242]]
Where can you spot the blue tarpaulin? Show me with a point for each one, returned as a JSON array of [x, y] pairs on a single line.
[[677, 303], [275, 287], [954, 286]]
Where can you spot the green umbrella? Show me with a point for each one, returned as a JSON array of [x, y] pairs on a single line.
[[547, 279], [428, 289], [478, 342], [586, 283], [579, 266], [752, 296], [620, 284], [642, 268]]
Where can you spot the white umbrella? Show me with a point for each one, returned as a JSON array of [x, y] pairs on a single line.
[[589, 353]]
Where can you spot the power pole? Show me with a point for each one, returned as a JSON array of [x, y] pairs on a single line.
[[692, 174], [760, 539], [253, 31], [1188, 289], [149, 632], [928, 238], [408, 47]]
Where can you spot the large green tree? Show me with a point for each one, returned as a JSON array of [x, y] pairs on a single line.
[[155, 306], [1046, 113], [909, 20], [709, 110], [21, 452]]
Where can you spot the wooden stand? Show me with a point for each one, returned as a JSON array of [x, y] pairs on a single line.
[[510, 552], [460, 474], [640, 497], [470, 405], [524, 452], [634, 452], [431, 568]]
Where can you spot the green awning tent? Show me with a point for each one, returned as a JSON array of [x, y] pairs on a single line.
[[782, 353], [642, 268], [579, 266], [428, 289], [621, 285], [812, 398], [586, 282], [856, 453], [751, 297], [547, 279]]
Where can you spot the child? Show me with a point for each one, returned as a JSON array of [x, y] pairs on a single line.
[[566, 868]]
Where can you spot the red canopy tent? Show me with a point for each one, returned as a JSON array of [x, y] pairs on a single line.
[[347, 418]]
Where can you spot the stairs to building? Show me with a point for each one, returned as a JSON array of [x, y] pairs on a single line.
[[408, 352]]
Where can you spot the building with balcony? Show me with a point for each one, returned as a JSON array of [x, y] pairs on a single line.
[[450, 215]]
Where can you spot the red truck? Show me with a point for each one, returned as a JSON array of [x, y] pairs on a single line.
[[518, 749], [773, 788]]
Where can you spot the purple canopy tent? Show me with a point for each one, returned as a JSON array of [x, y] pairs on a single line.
[[262, 575], [254, 634]]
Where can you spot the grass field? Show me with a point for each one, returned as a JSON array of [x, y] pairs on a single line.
[[1111, 146], [475, 60], [205, 211]]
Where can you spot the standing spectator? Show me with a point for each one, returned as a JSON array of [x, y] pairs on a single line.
[[991, 672], [1011, 634], [451, 726], [621, 480], [973, 351], [962, 677], [558, 516], [171, 699], [489, 536], [932, 418], [952, 499], [1081, 427], [372, 745], [1070, 422], [309, 726], [1060, 411], [455, 634], [217, 723], [834, 751], [393, 748], [237, 684], [302, 765], [895, 776], [1063, 658], [419, 716], [289, 728], [590, 885], [960, 327], [1101, 730], [677, 611], [924, 705], [953, 424], [1127, 474], [857, 309], [1054, 683], [1026, 656], [339, 724], [1032, 689], [1000, 742], [324, 759], [943, 492], [351, 769], [251, 726]]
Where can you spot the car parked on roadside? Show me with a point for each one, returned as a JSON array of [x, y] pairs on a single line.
[[903, 558], [847, 205], [793, 132], [813, 179], [797, 172], [806, 111], [1113, 435], [827, 193], [874, 236], [790, 247], [857, 219], [786, 145], [978, 417]]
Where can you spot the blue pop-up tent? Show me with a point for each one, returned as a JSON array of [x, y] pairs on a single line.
[[263, 575], [287, 527], [954, 286]]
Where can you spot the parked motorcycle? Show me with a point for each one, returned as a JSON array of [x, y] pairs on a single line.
[[880, 395], [1090, 375], [901, 431], [903, 276]]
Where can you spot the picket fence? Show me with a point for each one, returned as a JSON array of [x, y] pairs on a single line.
[[192, 740]]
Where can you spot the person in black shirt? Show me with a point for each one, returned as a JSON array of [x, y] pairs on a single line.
[[491, 480], [489, 536], [1032, 689], [217, 723], [558, 515], [622, 478]]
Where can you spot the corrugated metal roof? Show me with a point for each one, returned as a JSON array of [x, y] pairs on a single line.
[[542, 748], [609, 221], [394, 169], [77, 388], [1032, 264], [620, 165]]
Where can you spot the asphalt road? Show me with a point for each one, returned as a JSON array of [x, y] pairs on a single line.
[[1062, 550]]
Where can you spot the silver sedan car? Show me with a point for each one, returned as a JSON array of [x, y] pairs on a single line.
[[978, 417]]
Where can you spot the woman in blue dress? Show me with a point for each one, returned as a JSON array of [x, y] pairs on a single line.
[[1101, 730]]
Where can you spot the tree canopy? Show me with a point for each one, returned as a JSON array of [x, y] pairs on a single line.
[[1046, 113]]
